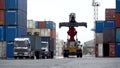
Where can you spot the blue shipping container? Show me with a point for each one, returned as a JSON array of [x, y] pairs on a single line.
[[117, 5], [50, 25], [50, 41], [117, 34], [15, 17], [99, 26], [16, 4], [36, 25], [109, 24], [117, 49], [9, 50], [2, 33], [14, 31]]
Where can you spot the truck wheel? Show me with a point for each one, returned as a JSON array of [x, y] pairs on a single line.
[[81, 55], [78, 55], [32, 57], [15, 57]]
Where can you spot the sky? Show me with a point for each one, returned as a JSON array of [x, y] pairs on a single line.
[[59, 10]]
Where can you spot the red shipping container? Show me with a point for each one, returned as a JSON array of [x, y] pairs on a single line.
[[110, 14], [117, 19], [96, 50], [2, 17], [2, 4], [41, 24], [112, 49], [53, 34]]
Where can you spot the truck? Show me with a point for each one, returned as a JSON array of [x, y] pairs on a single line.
[[22, 48], [33, 46]]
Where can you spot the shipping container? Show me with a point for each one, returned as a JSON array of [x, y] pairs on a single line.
[[117, 49], [2, 49], [96, 50], [108, 35], [110, 14], [106, 50], [36, 43], [2, 33], [99, 37], [99, 26], [10, 49], [109, 24], [117, 34], [2, 4], [15, 17], [36, 25], [53, 33], [117, 19], [16, 5], [112, 49], [41, 24], [117, 5], [50, 25], [30, 24], [14, 31], [45, 32], [50, 41], [2, 17], [100, 50]]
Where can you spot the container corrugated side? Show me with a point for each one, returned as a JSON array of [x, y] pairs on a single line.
[[30, 30], [117, 5], [15, 17], [14, 31], [30, 24], [2, 33], [16, 5], [53, 33], [112, 49], [117, 34], [108, 35], [41, 24], [9, 50], [37, 30], [50, 25], [2, 17], [117, 49], [45, 32], [99, 38], [109, 24], [96, 50], [117, 19], [99, 26], [2, 4], [100, 50], [2, 49], [110, 14], [36, 25]]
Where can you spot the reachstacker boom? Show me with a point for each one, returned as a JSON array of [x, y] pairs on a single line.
[[73, 46]]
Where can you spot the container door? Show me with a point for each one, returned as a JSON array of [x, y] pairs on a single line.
[[11, 17], [111, 49], [100, 50], [9, 51], [117, 49]]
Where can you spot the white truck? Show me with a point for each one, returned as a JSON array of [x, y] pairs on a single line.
[[22, 48]]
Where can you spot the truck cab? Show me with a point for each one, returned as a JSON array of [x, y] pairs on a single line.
[[22, 48]]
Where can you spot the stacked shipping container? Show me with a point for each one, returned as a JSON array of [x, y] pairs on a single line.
[[13, 22]]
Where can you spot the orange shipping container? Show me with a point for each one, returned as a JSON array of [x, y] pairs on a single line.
[[2, 17], [2, 4], [53, 34], [112, 49], [41, 24]]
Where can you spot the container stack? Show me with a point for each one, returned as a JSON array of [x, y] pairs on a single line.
[[117, 28], [46, 30], [13, 22]]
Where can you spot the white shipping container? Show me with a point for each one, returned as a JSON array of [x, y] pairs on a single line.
[[30, 24], [44, 32], [30, 30], [99, 37], [100, 50], [2, 50]]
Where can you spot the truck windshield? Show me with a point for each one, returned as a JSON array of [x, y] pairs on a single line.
[[20, 43], [44, 44]]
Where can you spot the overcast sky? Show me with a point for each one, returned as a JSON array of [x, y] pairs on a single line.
[[59, 10]]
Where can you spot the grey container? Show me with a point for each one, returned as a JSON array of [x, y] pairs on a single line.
[[2, 49], [108, 35]]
